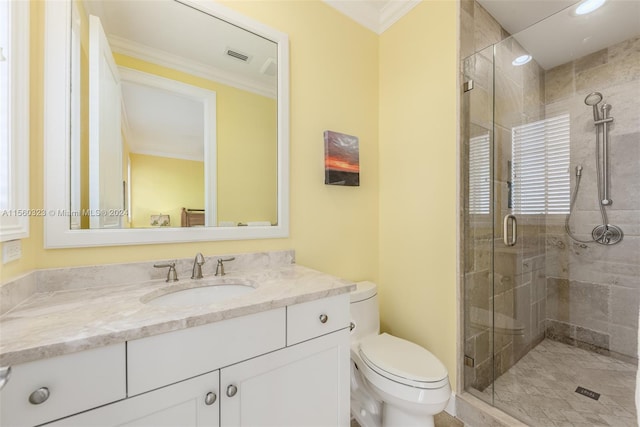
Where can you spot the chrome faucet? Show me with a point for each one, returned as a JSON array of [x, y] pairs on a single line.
[[220, 266], [196, 273]]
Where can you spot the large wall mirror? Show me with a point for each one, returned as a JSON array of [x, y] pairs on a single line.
[[166, 121]]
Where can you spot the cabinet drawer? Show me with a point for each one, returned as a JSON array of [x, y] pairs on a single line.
[[75, 382], [164, 359], [314, 318]]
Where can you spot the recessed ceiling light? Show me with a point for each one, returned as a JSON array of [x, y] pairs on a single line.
[[521, 60], [588, 6]]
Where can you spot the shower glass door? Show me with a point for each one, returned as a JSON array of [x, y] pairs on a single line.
[[507, 198], [530, 184], [478, 190]]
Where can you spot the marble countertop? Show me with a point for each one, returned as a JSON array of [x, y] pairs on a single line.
[[50, 324]]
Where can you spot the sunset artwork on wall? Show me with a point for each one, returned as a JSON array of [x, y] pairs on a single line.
[[341, 159]]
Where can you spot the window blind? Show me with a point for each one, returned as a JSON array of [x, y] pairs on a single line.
[[480, 174], [540, 174]]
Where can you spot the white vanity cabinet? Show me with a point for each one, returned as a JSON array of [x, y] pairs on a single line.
[[303, 385], [190, 403], [164, 359], [283, 367]]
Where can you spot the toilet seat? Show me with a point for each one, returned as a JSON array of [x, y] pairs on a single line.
[[403, 362]]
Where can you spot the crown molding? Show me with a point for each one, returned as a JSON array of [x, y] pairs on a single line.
[[393, 10], [367, 14], [136, 50]]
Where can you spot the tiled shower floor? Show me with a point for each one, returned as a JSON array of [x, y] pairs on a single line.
[[540, 388]]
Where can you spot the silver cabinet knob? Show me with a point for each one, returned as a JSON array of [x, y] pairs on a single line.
[[210, 398], [232, 390], [324, 318], [39, 396]]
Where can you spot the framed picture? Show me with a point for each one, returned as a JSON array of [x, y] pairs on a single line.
[[160, 221], [341, 159]]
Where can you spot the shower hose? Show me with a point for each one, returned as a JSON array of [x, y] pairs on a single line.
[[574, 196]]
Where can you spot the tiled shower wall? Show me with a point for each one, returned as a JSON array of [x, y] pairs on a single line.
[[593, 290]]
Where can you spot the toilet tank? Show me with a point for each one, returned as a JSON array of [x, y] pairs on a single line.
[[364, 311]]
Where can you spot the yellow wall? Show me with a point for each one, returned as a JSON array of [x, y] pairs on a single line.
[[247, 158], [418, 93], [162, 185], [334, 85], [125, 177]]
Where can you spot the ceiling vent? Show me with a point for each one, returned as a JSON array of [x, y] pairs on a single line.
[[238, 55]]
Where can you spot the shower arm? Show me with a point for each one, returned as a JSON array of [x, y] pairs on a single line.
[[606, 201]]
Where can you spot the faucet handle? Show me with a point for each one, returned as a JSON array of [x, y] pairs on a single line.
[[172, 276], [220, 266]]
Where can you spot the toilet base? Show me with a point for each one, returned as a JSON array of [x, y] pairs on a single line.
[[396, 417]]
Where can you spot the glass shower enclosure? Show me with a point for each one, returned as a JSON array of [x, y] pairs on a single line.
[[551, 225]]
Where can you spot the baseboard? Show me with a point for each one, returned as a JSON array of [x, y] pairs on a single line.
[[451, 405]]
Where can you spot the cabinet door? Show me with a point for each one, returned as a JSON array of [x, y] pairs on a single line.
[[303, 385], [189, 403]]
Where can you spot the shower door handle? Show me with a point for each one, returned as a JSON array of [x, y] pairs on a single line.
[[514, 230]]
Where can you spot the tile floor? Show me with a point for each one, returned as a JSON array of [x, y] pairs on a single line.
[[540, 389]]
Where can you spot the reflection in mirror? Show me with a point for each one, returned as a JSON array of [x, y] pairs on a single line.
[[245, 179], [173, 118]]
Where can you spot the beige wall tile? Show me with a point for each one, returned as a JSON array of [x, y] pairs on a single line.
[[559, 82], [624, 70], [624, 49], [592, 60], [487, 29]]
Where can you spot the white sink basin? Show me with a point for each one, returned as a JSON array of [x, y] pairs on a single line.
[[195, 295]]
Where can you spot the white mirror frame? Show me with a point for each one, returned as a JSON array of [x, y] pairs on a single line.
[[14, 219], [57, 144]]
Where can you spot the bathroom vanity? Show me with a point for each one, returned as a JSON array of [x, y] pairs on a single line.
[[276, 356]]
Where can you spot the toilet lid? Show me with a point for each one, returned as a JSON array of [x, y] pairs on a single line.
[[363, 291], [402, 359]]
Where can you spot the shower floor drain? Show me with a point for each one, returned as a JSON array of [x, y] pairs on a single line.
[[589, 393]]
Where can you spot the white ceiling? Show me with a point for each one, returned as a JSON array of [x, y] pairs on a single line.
[[564, 36], [516, 15], [547, 29], [163, 123]]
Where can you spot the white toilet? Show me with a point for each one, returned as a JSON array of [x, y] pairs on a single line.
[[394, 382]]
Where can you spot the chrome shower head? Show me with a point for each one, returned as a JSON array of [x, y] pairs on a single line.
[[593, 99]]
